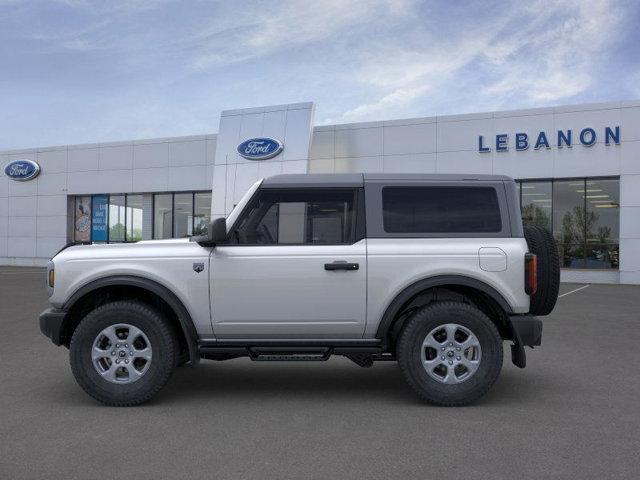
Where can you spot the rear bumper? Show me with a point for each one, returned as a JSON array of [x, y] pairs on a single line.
[[51, 321], [526, 329]]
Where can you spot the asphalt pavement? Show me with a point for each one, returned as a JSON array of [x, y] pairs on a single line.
[[573, 413]]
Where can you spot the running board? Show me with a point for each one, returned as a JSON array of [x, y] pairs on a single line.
[[363, 355], [294, 357], [289, 354]]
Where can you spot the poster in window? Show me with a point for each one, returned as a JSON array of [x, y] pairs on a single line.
[[99, 208], [82, 221]]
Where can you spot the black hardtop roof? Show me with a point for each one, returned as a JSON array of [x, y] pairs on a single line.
[[359, 179]]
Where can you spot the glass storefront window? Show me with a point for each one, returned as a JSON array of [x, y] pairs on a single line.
[[583, 214], [201, 212], [603, 223], [536, 203], [162, 215], [568, 211], [134, 218], [117, 218], [99, 216], [569, 221], [603, 209], [82, 219], [183, 215]]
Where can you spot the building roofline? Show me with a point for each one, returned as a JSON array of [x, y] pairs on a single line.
[[355, 125], [568, 108], [113, 143]]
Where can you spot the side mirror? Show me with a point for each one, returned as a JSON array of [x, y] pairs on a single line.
[[216, 233], [218, 230]]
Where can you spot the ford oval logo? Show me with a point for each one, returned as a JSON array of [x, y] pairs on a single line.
[[22, 170], [260, 148]]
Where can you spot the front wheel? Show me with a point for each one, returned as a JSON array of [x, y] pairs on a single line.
[[450, 353], [123, 353]]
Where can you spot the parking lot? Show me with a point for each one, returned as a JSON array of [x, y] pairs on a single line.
[[574, 412]]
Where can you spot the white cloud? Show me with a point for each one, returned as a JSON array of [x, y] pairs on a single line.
[[397, 98], [254, 33], [406, 76], [543, 51], [555, 63], [165, 67]]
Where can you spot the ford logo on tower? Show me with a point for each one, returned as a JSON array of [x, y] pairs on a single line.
[[22, 170], [260, 148]]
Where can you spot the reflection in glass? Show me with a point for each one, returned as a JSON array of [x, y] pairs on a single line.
[[571, 256], [603, 230], [602, 256], [603, 210], [568, 211], [116, 218], [134, 218], [584, 215], [536, 203], [202, 213], [162, 215], [183, 215]]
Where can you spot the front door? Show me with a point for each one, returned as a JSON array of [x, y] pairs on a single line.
[[294, 267]]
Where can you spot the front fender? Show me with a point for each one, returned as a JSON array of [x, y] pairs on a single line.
[[186, 322]]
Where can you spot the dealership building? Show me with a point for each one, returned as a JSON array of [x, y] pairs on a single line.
[[577, 167]]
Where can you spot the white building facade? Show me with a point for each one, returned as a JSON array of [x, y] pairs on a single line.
[[578, 168]]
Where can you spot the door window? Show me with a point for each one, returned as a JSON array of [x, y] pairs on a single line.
[[294, 217]]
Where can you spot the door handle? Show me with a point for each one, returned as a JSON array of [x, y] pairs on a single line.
[[341, 265]]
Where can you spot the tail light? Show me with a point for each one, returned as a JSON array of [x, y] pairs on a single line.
[[530, 273]]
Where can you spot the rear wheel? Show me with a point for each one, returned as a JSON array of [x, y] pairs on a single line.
[[123, 353], [450, 353]]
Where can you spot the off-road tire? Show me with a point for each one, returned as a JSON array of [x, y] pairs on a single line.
[[409, 347], [543, 245], [164, 347]]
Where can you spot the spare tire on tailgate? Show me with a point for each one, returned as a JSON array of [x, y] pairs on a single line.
[[542, 244]]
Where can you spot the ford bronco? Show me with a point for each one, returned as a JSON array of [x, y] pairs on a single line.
[[431, 271]]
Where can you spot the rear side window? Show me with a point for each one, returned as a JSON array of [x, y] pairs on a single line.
[[436, 209]]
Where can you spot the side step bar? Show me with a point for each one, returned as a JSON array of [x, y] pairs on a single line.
[[289, 354], [361, 354]]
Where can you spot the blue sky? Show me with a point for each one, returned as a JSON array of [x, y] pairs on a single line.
[[76, 71]]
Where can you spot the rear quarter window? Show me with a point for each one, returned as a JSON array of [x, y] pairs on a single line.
[[441, 209]]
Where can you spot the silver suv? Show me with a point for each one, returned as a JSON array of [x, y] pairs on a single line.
[[434, 271]]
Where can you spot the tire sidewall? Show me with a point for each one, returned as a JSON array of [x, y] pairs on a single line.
[[429, 318], [541, 242], [154, 327]]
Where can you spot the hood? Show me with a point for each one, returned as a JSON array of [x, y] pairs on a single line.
[[145, 248]]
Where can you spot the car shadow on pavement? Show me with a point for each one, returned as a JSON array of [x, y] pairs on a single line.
[[241, 379]]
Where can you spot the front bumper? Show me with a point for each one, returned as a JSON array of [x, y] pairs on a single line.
[[51, 321]]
